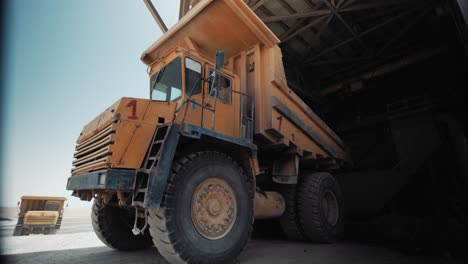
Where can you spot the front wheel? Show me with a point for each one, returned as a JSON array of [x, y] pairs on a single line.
[[113, 226], [207, 211]]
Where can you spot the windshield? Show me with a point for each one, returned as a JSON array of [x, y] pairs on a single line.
[[166, 85]]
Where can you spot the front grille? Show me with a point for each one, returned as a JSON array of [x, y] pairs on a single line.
[[92, 153]]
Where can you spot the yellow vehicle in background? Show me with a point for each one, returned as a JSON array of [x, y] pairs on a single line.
[[39, 215]]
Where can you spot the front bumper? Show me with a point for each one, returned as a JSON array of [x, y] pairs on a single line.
[[108, 179]]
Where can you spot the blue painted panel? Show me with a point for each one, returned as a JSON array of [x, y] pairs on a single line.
[[115, 180], [197, 132]]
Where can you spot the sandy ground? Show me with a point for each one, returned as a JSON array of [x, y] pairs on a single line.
[[77, 243], [75, 220]]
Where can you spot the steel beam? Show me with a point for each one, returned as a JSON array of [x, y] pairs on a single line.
[[345, 23], [287, 6], [362, 34], [316, 37], [257, 5], [376, 4], [403, 31], [304, 28], [316, 13], [340, 3], [295, 16], [155, 15], [293, 28], [385, 69], [184, 8], [339, 61], [282, 24]]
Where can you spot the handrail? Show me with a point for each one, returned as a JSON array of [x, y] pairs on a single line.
[[248, 117]]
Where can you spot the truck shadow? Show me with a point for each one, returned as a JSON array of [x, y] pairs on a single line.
[[88, 255], [263, 251]]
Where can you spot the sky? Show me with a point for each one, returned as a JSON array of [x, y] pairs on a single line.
[[65, 62]]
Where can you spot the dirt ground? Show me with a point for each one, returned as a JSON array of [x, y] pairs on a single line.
[[76, 243]]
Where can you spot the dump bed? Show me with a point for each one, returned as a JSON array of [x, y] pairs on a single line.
[[252, 52]]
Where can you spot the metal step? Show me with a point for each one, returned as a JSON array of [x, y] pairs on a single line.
[[157, 142]]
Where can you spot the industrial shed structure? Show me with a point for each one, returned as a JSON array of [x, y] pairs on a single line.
[[330, 45], [389, 77]]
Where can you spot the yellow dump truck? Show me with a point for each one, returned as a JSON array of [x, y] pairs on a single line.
[[219, 143], [39, 215]]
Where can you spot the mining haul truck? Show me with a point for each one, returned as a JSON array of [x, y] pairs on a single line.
[[220, 143], [39, 215]]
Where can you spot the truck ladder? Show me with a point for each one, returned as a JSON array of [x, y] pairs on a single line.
[[141, 182]]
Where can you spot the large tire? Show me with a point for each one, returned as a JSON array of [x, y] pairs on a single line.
[[18, 231], [289, 221], [320, 207], [113, 226], [217, 188]]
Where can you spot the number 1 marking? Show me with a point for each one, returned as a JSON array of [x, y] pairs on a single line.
[[280, 119], [133, 105]]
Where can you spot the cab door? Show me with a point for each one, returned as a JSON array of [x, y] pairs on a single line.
[[226, 114], [193, 71]]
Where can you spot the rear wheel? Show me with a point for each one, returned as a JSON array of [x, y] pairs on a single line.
[[207, 211], [320, 207], [113, 226], [289, 221]]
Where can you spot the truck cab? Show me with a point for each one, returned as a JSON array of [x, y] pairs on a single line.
[[186, 77]]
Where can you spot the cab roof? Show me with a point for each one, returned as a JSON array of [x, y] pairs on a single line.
[[211, 25]]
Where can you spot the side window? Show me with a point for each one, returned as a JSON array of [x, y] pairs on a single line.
[[224, 85], [193, 73]]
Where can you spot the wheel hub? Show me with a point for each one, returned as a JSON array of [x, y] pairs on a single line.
[[214, 208], [330, 208]]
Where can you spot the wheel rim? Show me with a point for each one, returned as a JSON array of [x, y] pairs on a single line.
[[214, 208], [330, 208]]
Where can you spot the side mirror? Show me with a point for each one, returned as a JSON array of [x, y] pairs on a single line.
[[219, 60]]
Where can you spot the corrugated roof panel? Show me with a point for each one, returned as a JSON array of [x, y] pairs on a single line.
[[300, 6], [358, 35]]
